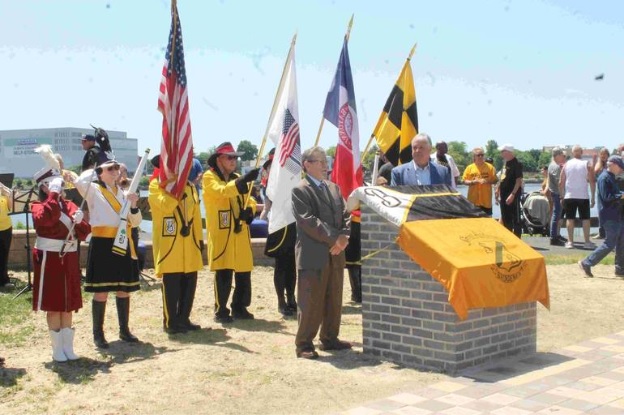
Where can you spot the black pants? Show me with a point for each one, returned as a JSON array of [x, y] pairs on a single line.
[[241, 299], [511, 214], [178, 292], [285, 276], [5, 246]]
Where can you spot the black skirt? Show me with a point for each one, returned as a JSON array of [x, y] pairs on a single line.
[[107, 271], [353, 252], [281, 242]]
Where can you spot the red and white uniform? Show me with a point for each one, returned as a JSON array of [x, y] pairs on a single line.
[[57, 279]]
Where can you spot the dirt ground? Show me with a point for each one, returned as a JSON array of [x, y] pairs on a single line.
[[250, 366]]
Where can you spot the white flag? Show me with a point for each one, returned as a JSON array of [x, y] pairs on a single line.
[[284, 132]]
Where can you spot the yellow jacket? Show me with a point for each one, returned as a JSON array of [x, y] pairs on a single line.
[[172, 251], [5, 209], [226, 249]]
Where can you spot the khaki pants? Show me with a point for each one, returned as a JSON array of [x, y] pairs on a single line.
[[319, 295]]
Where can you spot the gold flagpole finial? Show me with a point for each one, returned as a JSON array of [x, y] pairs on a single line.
[[412, 51], [349, 27]]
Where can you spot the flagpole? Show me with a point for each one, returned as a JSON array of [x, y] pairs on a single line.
[[370, 140], [273, 110], [174, 17], [347, 35]]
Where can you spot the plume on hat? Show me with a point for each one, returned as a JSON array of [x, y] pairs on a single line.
[[52, 167], [45, 151], [102, 140]]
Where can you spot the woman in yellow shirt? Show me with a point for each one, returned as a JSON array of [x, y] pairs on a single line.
[[6, 233]]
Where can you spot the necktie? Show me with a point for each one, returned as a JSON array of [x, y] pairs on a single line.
[[325, 190]]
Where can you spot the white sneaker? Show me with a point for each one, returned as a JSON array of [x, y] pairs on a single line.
[[569, 245], [589, 245]]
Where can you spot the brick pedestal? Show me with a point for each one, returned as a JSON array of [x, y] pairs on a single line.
[[406, 317]]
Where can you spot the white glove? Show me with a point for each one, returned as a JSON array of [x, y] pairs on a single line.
[[78, 216], [56, 185]]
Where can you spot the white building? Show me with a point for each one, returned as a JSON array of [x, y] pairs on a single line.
[[17, 148]]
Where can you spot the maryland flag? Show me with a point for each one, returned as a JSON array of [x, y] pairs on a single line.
[[398, 123], [478, 261]]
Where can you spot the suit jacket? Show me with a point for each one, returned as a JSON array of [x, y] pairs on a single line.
[[319, 223], [406, 175]]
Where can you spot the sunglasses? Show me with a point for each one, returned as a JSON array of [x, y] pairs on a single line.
[[113, 167], [479, 155], [230, 157]]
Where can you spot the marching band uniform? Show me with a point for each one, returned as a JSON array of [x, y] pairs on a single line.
[[281, 246], [353, 258], [56, 287], [106, 270], [177, 243], [229, 247]]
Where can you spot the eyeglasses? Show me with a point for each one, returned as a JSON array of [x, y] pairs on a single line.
[[230, 157], [113, 167], [479, 155], [318, 161]]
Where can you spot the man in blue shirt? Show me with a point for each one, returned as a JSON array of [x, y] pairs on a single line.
[[611, 219], [421, 171], [196, 173]]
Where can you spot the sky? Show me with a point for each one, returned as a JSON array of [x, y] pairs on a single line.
[[519, 72]]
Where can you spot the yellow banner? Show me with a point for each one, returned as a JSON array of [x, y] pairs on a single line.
[[478, 261]]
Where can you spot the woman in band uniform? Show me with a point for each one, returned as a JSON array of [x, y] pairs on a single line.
[[108, 270], [56, 287]]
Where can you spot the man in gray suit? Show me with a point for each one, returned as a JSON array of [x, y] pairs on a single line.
[[322, 235], [421, 171]]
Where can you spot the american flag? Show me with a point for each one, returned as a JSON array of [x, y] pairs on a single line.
[[176, 154], [291, 150]]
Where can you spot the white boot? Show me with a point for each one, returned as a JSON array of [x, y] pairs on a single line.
[[68, 343], [57, 346]]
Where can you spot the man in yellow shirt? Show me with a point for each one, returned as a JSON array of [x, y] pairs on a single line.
[[479, 177]]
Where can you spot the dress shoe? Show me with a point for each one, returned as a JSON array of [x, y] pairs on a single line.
[[285, 311], [308, 354], [586, 269], [187, 325], [224, 319], [335, 345], [175, 330], [242, 314]]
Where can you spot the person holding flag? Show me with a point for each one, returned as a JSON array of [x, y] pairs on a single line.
[[177, 245], [340, 110], [284, 175], [178, 235], [281, 246], [227, 222]]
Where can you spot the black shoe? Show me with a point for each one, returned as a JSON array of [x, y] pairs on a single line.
[[126, 336], [586, 269], [307, 354], [187, 325], [175, 330], [242, 314], [223, 319], [336, 345], [99, 341], [557, 242], [562, 239], [285, 311]]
